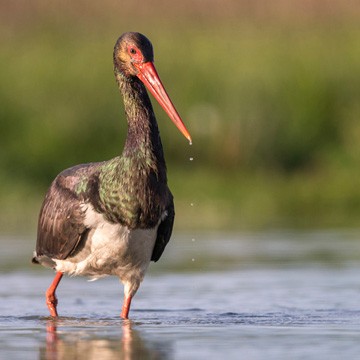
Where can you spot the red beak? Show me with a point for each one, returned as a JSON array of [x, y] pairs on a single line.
[[148, 75]]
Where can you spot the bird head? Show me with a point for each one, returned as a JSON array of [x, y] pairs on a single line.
[[134, 57]]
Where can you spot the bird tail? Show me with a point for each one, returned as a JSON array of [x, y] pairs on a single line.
[[34, 260]]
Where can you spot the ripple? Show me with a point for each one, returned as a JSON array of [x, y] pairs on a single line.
[[191, 316]]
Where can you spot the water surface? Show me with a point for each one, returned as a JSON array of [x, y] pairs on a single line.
[[271, 295]]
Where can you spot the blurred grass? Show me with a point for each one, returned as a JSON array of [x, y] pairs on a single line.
[[269, 93]]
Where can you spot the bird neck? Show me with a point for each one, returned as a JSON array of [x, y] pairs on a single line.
[[143, 143], [132, 188]]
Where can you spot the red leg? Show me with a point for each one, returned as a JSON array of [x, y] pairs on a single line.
[[51, 300], [126, 307]]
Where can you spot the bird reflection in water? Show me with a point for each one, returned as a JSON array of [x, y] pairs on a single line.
[[83, 344]]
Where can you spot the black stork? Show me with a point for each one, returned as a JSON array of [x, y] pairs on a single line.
[[114, 217]]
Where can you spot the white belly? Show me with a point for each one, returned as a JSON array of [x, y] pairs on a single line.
[[112, 249]]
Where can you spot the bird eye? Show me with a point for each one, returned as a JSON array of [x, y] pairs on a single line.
[[134, 53]]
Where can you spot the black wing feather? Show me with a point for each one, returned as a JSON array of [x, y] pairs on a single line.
[[61, 220], [164, 233]]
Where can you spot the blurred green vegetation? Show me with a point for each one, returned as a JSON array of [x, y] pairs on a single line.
[[270, 95]]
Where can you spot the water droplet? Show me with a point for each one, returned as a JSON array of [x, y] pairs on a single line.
[[191, 159], [190, 143], [191, 204]]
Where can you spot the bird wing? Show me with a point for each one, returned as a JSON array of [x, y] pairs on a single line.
[[164, 232], [61, 221]]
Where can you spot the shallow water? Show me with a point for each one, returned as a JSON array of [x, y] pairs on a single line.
[[275, 295]]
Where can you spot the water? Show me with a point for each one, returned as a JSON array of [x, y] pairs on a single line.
[[274, 295]]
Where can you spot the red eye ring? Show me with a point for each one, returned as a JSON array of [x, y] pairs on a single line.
[[134, 53]]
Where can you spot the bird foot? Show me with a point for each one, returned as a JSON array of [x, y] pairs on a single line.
[[51, 302]]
